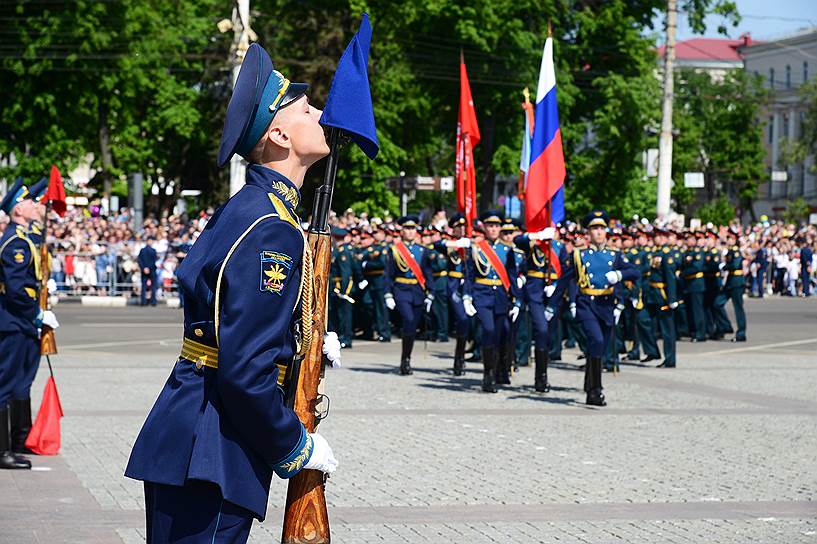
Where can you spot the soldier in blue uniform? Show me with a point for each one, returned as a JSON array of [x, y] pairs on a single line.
[[221, 427], [507, 233], [20, 313], [543, 294], [492, 291], [408, 283], [438, 254], [596, 272], [456, 257]]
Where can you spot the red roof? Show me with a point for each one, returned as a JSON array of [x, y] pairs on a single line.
[[709, 49]]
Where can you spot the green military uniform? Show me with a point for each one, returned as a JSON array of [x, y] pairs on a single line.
[[645, 324], [660, 297], [733, 289], [438, 329], [692, 272], [681, 322], [374, 266], [362, 311], [717, 322]]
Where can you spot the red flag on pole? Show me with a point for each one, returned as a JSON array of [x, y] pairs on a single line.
[[56, 192], [467, 138], [44, 438]]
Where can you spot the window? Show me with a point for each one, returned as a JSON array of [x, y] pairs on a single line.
[[771, 130], [785, 131], [788, 76], [771, 78], [805, 71]]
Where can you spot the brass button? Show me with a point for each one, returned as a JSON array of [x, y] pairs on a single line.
[[198, 332], [199, 364]]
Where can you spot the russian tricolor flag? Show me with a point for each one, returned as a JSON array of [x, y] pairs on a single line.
[[545, 201]]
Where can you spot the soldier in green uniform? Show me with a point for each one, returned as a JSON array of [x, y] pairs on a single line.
[[645, 323], [631, 292], [734, 286], [341, 282], [660, 295], [717, 322], [678, 251], [362, 311], [374, 266], [692, 271]]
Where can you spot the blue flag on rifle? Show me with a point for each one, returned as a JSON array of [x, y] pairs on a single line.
[[349, 106]]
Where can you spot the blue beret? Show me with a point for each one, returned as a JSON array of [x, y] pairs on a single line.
[[596, 218], [259, 92], [16, 194]]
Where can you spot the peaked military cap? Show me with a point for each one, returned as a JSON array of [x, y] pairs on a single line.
[[339, 232], [16, 194], [259, 93], [409, 221], [511, 225], [36, 191], [457, 220], [492, 216], [596, 218]]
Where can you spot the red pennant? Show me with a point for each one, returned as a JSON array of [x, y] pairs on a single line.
[[56, 192], [44, 438]]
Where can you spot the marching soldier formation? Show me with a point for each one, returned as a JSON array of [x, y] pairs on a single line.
[[504, 294]]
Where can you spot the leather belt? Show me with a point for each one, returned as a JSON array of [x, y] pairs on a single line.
[[657, 284], [736, 272], [454, 274], [540, 274], [597, 292], [407, 281], [203, 355], [694, 276], [486, 281], [373, 273], [440, 274]]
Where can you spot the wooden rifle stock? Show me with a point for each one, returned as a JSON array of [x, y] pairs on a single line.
[[306, 519], [48, 344]]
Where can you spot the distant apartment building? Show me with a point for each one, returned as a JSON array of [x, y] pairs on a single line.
[[785, 64], [713, 55]]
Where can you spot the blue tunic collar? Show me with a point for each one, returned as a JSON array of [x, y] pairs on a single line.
[[273, 181]]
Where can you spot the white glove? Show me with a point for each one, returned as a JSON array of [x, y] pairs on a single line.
[[428, 302], [363, 264], [50, 319], [545, 234], [635, 303], [331, 348], [463, 243], [362, 285], [322, 457], [520, 281], [468, 306], [549, 289], [613, 277], [456, 298], [721, 266], [573, 310], [549, 313], [52, 286], [617, 314], [390, 302], [514, 313], [673, 305]]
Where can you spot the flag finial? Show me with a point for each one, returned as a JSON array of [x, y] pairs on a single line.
[[550, 29], [526, 94]]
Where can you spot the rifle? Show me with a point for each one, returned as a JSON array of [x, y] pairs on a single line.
[[48, 344], [305, 518]]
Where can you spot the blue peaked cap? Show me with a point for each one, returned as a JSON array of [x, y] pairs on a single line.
[[349, 106], [16, 194], [259, 93], [36, 191]]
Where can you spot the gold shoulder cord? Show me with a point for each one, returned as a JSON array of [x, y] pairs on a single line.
[[584, 280], [538, 257], [399, 261], [482, 264]]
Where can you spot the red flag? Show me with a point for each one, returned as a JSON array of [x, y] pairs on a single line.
[[44, 438], [56, 192], [467, 138]]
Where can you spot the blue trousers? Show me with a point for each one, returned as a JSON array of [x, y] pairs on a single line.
[[151, 288], [495, 327], [193, 514], [410, 314], [540, 324], [15, 354], [461, 320], [27, 369], [598, 335]]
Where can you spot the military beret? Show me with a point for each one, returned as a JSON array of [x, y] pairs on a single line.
[[259, 93]]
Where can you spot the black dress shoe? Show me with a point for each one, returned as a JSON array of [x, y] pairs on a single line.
[[595, 400], [9, 461], [581, 356], [649, 358], [738, 339], [633, 357]]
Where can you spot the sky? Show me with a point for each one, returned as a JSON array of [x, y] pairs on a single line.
[[764, 19]]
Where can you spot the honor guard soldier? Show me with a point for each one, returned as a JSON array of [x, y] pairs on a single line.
[[717, 322], [374, 269], [596, 271], [456, 255], [692, 270], [543, 294], [507, 233], [439, 271], [221, 425], [734, 285], [493, 292], [341, 282], [661, 294], [408, 280], [20, 313]]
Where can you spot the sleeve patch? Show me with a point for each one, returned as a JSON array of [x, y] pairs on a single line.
[[275, 269], [19, 256]]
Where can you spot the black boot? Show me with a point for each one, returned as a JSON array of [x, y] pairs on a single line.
[[9, 460], [489, 361], [20, 425], [405, 357], [595, 397], [459, 356], [542, 358], [503, 367]]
